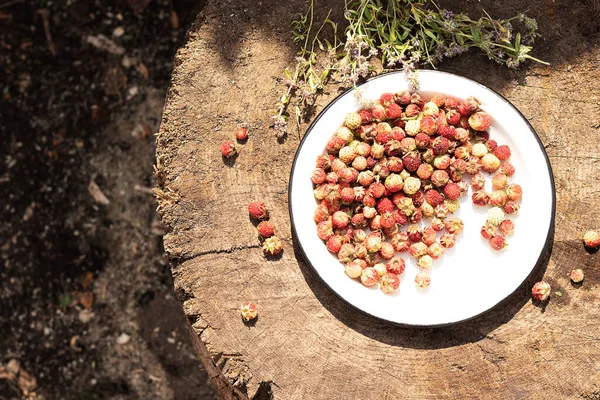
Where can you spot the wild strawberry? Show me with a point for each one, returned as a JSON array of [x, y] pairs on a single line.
[[359, 163], [396, 265], [498, 198], [439, 178], [452, 191], [418, 198], [448, 240], [272, 246], [415, 217], [480, 121], [514, 192], [363, 149], [332, 177], [394, 183], [461, 135], [387, 220], [385, 205], [507, 168], [334, 244], [353, 269], [373, 242], [541, 291], [591, 239], [325, 229], [414, 233], [406, 206], [360, 250], [266, 229], [431, 109], [442, 162], [399, 217], [379, 113], [428, 125], [418, 249], [478, 181], [369, 212], [377, 151], [395, 164], [422, 141], [441, 210], [507, 227], [451, 103], [365, 115], [369, 277], [411, 185], [400, 242], [462, 153], [347, 154], [415, 98], [428, 235], [323, 162], [412, 161], [437, 224], [428, 156], [490, 163], [577, 275], [365, 178], [376, 189], [473, 165], [345, 134], [448, 132], [375, 223], [393, 111], [480, 198], [468, 106], [248, 311], [424, 171], [423, 279], [425, 262], [427, 210], [358, 220], [258, 210], [440, 145], [402, 97], [318, 176], [479, 150], [502, 152], [389, 282], [228, 149], [435, 251], [495, 216], [454, 225], [438, 99], [386, 251], [488, 230], [491, 145], [511, 207], [321, 213], [346, 253], [412, 110], [453, 117], [499, 181], [334, 144], [352, 120], [497, 242], [433, 197]]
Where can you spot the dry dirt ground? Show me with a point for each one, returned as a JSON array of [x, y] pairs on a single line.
[[86, 303]]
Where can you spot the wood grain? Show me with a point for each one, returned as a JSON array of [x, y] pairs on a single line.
[[307, 344]]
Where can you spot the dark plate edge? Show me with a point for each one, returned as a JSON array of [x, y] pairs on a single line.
[[547, 243]]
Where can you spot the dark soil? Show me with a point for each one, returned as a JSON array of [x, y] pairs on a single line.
[[77, 273]]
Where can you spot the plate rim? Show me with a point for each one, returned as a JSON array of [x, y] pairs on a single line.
[[547, 242]]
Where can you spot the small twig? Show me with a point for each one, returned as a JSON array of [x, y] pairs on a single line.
[[45, 19]]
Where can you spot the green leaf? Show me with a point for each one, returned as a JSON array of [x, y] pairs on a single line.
[[476, 34], [64, 300]]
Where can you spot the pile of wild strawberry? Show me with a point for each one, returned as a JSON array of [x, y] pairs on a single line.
[[398, 162]]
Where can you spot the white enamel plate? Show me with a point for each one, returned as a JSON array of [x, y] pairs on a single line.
[[469, 279]]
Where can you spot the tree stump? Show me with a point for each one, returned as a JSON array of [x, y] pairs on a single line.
[[306, 343]]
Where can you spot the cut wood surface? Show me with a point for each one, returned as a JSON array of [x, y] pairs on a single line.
[[307, 343]]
